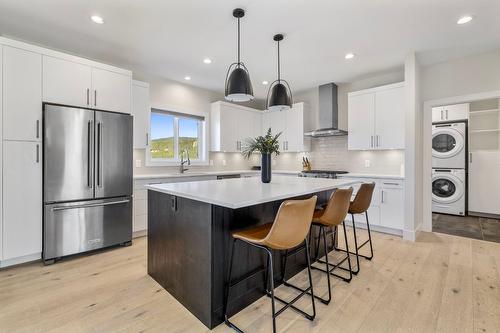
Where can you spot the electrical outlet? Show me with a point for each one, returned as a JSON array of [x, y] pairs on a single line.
[[138, 163], [224, 163], [367, 163], [211, 163]]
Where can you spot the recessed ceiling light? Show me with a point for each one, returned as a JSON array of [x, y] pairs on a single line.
[[464, 19], [97, 19], [349, 56], [265, 82], [187, 78], [207, 61]]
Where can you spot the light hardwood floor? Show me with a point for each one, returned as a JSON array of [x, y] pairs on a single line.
[[439, 283]]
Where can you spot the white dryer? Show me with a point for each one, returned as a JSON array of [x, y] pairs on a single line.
[[448, 191], [449, 145]]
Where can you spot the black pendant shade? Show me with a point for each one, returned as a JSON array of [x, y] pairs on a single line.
[[238, 84], [279, 96]]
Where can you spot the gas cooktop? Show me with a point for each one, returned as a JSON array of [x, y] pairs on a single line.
[[322, 173]]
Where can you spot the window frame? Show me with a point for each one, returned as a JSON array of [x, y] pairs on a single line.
[[202, 136]]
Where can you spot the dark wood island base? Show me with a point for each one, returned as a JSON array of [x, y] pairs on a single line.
[[188, 252]]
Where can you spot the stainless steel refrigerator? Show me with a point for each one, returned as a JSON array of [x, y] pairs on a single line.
[[87, 180]]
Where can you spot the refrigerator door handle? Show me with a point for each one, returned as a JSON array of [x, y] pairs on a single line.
[[59, 208], [100, 128], [89, 155]]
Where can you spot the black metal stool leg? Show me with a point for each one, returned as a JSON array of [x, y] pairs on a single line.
[[332, 267], [355, 245], [369, 238], [327, 265], [347, 252], [227, 290], [271, 282], [308, 258]]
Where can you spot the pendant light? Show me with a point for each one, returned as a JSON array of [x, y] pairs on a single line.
[[279, 96], [238, 84]]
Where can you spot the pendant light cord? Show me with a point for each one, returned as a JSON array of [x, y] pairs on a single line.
[[279, 71], [238, 42]]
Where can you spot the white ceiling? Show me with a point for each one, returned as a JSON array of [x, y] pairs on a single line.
[[170, 38]]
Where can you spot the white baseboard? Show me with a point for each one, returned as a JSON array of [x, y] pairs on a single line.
[[140, 233], [20, 260], [377, 228], [412, 235]]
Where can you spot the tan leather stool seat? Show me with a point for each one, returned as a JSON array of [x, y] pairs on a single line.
[[254, 235]]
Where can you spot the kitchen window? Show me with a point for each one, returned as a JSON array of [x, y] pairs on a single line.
[[173, 133]]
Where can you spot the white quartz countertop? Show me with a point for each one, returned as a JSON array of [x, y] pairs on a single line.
[[209, 173], [242, 192], [370, 175]]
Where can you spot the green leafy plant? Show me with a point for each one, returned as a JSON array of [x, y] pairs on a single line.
[[267, 144]]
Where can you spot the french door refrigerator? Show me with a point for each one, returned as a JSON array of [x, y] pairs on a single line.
[[87, 180]]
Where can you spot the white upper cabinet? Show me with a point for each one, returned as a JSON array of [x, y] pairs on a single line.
[[276, 121], [140, 110], [22, 94], [361, 121], [111, 91], [66, 82], [231, 125], [376, 118], [390, 118], [292, 124], [22, 206], [76, 84], [450, 113]]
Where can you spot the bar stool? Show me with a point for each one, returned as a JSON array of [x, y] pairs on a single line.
[[290, 228], [330, 217], [360, 205]]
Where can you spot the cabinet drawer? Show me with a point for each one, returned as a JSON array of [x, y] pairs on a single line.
[[392, 183]]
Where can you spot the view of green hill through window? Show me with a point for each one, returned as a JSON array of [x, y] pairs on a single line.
[[164, 147]]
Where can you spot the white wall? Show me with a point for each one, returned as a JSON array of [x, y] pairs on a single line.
[[413, 151], [472, 74]]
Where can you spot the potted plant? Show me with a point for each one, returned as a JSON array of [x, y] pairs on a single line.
[[266, 146]]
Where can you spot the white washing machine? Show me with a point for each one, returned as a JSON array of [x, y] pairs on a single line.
[[449, 145], [448, 191]]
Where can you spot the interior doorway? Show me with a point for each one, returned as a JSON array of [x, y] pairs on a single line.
[[461, 166]]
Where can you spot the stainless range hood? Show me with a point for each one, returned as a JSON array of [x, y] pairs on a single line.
[[328, 113]]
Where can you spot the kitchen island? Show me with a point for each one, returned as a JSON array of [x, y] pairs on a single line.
[[189, 237]]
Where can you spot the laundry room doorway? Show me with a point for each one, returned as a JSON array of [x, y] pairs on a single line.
[[462, 160]]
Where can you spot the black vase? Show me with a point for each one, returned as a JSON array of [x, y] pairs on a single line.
[[265, 170]]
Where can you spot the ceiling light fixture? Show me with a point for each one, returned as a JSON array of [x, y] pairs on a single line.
[[464, 19], [349, 56], [207, 61], [238, 84], [97, 19], [279, 96], [265, 83], [187, 78]]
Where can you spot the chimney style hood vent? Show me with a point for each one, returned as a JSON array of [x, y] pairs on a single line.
[[328, 113]]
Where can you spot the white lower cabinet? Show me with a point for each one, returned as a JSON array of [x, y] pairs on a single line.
[[391, 207], [22, 200], [386, 211]]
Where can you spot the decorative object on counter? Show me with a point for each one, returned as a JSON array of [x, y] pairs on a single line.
[[306, 165], [266, 146], [279, 96], [238, 84]]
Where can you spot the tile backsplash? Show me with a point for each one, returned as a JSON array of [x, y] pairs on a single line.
[[331, 153], [328, 153]]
